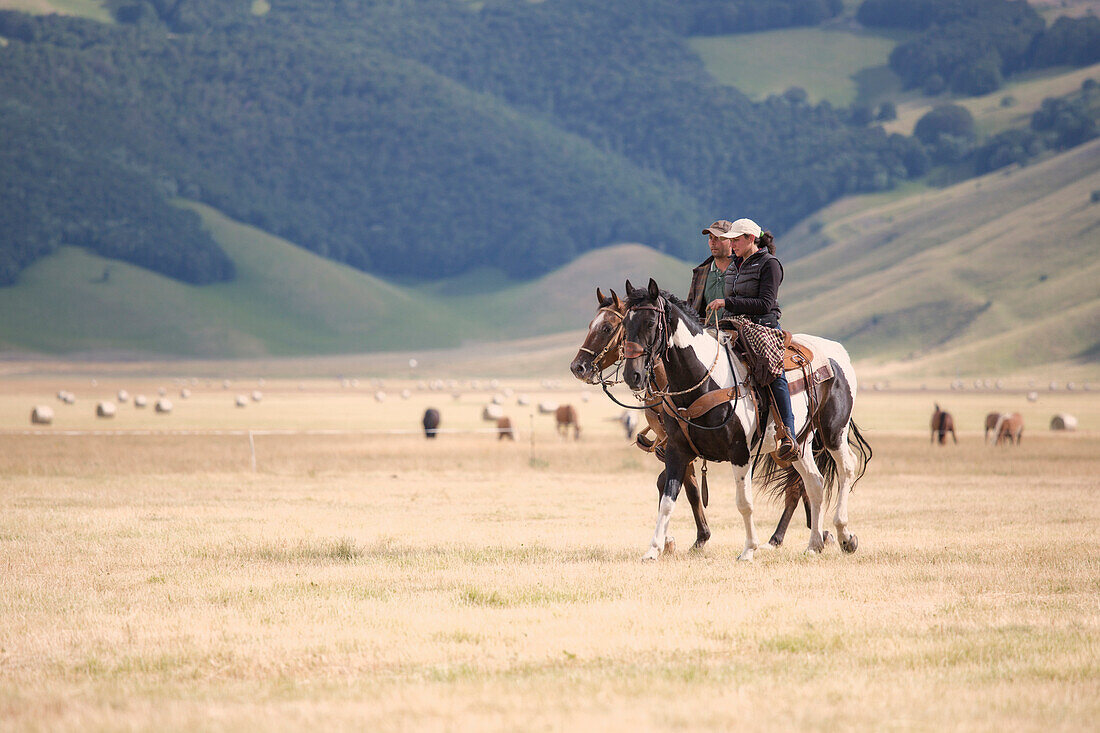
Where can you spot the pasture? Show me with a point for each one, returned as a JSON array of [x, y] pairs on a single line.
[[386, 582]]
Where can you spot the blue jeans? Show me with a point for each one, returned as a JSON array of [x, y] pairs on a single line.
[[782, 395]]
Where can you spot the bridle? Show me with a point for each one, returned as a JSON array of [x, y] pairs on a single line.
[[614, 341], [633, 350]]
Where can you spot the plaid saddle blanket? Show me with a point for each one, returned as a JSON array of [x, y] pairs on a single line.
[[763, 347]]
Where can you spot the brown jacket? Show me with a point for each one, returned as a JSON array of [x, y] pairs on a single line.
[[698, 285]]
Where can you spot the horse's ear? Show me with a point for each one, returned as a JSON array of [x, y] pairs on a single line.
[[629, 288], [654, 290], [599, 297], [615, 300]]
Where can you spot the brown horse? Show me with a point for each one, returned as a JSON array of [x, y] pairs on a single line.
[[991, 421], [1010, 429], [505, 429], [599, 352], [566, 416], [942, 424]]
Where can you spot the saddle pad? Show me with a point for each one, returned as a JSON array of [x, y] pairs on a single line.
[[822, 374]]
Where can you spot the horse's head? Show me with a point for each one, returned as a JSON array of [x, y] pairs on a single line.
[[645, 333], [600, 349]]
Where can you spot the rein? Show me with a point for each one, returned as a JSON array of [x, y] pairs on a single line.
[[616, 335]]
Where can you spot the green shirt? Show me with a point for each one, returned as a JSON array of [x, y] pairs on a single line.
[[715, 289]]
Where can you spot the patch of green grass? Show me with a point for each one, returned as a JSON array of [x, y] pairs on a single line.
[[824, 62], [343, 549]]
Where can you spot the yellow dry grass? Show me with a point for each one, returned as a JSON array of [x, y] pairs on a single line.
[[389, 583]]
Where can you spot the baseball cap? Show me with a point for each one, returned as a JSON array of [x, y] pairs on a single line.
[[732, 229]]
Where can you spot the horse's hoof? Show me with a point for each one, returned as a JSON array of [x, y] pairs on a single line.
[[773, 542], [851, 545], [670, 545], [651, 556], [745, 556], [698, 546]]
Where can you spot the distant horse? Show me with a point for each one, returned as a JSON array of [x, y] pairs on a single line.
[[566, 416], [942, 424], [629, 421], [505, 429], [1010, 429], [991, 421], [599, 352], [431, 422], [707, 412]]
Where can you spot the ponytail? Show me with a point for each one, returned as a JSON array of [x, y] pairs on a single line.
[[766, 241]]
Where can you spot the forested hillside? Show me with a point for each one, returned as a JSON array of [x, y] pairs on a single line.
[[417, 139]]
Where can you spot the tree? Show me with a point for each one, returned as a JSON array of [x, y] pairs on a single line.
[[946, 119]]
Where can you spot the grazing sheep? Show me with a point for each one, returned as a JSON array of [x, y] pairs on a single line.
[[41, 415], [164, 405], [431, 422], [492, 413], [105, 409], [1063, 421], [140, 401], [505, 429]]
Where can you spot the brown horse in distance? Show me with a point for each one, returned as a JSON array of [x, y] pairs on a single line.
[[991, 421], [942, 424], [1011, 429], [566, 416]]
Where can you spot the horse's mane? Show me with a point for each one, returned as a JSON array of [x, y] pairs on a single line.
[[641, 295]]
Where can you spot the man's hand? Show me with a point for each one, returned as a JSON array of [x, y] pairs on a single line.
[[716, 304]]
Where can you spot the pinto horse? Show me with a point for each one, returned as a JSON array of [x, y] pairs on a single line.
[[599, 352], [1009, 429], [707, 412]]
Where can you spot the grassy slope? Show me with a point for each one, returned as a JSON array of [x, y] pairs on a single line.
[[823, 61], [86, 8], [989, 274], [286, 300], [1029, 92]]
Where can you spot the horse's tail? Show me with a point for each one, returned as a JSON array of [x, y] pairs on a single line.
[[777, 483]]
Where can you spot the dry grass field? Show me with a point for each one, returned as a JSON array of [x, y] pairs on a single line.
[[385, 582]]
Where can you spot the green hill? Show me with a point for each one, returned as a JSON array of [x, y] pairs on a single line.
[[987, 275], [288, 301]]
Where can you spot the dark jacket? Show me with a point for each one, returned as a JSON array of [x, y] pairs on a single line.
[[752, 287], [698, 284]]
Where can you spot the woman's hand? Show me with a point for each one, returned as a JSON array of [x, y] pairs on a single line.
[[716, 304]]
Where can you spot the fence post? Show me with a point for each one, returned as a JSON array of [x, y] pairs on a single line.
[[252, 449]]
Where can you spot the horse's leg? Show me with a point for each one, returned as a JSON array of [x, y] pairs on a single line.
[[674, 472], [742, 477], [702, 531], [815, 490], [846, 474], [790, 503]]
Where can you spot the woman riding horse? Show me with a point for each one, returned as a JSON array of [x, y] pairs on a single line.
[[751, 275]]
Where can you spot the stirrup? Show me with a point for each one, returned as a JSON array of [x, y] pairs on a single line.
[[786, 452]]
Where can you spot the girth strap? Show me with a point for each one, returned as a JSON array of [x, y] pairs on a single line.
[[700, 407]]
